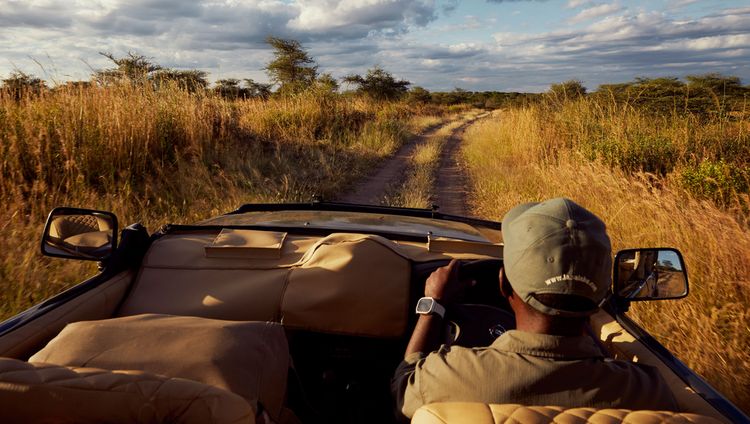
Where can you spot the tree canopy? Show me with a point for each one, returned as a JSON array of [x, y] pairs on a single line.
[[137, 69], [378, 84], [567, 90], [191, 80], [134, 68], [20, 84], [292, 68]]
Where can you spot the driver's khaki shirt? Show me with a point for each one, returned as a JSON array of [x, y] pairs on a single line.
[[532, 369]]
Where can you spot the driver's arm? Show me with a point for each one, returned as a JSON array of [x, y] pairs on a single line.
[[444, 286]]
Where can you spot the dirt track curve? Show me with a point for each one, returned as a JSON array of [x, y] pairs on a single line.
[[372, 190], [450, 187]]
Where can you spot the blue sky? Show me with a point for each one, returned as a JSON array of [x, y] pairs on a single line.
[[475, 45]]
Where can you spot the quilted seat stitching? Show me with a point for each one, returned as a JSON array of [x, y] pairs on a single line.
[[515, 414]]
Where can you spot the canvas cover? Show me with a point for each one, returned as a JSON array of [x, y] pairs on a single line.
[[481, 413], [344, 283], [39, 393], [250, 359]]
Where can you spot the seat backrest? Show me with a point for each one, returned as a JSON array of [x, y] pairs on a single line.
[[63, 227], [250, 359], [482, 413], [38, 392]]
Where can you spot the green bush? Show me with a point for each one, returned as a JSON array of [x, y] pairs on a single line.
[[639, 153], [719, 181]]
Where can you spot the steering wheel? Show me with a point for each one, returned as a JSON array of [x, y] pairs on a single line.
[[484, 313]]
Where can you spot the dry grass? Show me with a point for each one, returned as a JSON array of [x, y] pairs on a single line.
[[519, 156], [707, 155], [170, 156], [417, 188]]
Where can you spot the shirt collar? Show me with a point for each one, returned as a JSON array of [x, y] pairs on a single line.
[[547, 345]]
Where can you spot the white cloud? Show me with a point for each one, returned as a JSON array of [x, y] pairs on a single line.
[[595, 12], [226, 38], [711, 43], [361, 15], [681, 3], [574, 4]]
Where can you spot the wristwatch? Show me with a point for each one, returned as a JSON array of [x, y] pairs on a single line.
[[429, 306]]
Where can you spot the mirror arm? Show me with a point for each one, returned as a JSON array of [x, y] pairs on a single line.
[[622, 305]]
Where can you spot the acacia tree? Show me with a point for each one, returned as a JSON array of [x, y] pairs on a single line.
[[568, 90], [232, 88], [140, 70], [20, 84], [292, 68], [419, 95], [191, 80], [326, 84], [378, 84], [228, 88], [257, 90], [134, 68]]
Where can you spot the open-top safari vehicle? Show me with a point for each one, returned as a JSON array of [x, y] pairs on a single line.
[[287, 313]]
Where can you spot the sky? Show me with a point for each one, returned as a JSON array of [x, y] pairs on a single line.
[[503, 45]]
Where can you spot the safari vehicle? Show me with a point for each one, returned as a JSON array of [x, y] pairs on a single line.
[[289, 313]]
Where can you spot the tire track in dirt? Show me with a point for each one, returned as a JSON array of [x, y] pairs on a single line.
[[451, 181], [375, 187]]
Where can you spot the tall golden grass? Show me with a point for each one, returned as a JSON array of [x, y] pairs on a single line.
[[158, 156], [526, 155]]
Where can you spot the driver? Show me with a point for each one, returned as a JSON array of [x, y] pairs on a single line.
[[557, 263]]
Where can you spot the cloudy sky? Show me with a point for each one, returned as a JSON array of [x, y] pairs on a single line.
[[507, 45]]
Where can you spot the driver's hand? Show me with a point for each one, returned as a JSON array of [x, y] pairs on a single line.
[[443, 284]]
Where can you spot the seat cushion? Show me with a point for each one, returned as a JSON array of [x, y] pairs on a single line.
[[36, 392], [481, 413], [250, 359]]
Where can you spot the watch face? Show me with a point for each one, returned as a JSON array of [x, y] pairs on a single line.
[[424, 306]]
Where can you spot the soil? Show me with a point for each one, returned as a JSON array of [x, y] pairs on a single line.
[[373, 189], [450, 189]]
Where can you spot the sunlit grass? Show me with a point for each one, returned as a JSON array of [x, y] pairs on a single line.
[[171, 156], [521, 156]]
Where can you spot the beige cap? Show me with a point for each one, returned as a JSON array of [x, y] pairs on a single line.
[[556, 247]]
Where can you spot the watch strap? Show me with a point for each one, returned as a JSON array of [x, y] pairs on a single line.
[[435, 307]]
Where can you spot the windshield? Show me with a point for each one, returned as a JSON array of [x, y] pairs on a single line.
[[362, 222]]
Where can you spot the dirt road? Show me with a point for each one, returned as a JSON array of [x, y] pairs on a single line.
[[450, 185], [450, 189], [374, 188]]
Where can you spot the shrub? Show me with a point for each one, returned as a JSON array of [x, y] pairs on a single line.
[[719, 181]]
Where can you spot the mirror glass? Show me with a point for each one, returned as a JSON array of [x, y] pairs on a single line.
[[650, 274], [79, 234]]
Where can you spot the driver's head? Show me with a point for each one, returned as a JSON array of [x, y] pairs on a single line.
[[557, 257]]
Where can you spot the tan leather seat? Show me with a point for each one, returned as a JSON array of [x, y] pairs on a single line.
[[250, 359], [38, 392], [69, 225], [481, 413], [80, 233]]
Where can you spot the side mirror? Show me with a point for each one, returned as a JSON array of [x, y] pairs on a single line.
[[80, 234], [650, 274]]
